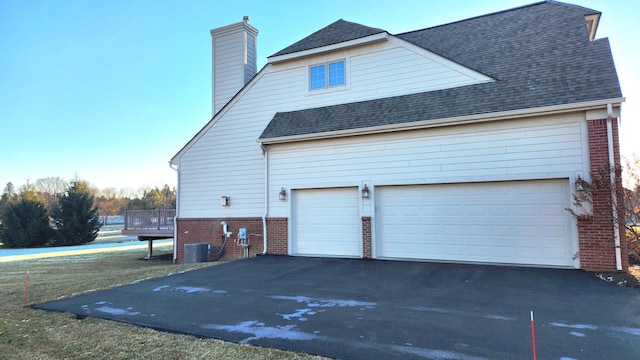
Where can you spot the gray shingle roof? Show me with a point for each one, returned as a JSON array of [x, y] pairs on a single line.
[[539, 54], [337, 32]]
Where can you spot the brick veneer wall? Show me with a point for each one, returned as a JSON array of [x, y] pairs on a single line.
[[209, 230], [595, 232], [366, 237], [277, 236]]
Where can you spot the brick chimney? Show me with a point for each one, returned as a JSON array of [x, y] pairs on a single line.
[[234, 60]]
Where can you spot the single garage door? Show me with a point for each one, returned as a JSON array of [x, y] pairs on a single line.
[[326, 222], [515, 222]]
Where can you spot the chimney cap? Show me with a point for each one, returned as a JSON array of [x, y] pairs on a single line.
[[245, 18]]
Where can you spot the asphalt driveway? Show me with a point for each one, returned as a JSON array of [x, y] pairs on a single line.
[[370, 309]]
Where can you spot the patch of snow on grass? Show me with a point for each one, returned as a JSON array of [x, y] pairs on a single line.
[[608, 278]]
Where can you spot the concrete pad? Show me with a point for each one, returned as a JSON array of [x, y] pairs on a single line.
[[371, 309]]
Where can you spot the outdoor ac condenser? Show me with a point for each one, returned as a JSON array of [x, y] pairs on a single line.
[[196, 253]]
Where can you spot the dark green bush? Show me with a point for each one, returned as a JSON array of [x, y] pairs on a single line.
[[24, 222]]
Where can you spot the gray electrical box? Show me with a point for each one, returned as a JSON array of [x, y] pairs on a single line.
[[196, 253], [243, 233]]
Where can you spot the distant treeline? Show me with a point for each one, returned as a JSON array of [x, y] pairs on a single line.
[[109, 201]]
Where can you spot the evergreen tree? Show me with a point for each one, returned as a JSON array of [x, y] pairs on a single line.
[[24, 221], [7, 194], [76, 215]]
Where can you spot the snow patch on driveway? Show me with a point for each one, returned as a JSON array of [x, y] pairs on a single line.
[[575, 326], [258, 330], [298, 314], [188, 289], [435, 354], [458, 312], [314, 304], [117, 311], [311, 302], [628, 330]]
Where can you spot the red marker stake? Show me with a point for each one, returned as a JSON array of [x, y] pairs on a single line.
[[533, 337], [26, 283]]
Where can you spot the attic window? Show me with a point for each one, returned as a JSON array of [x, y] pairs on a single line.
[[326, 75]]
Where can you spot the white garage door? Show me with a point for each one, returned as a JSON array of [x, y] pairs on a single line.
[[326, 222], [517, 222]]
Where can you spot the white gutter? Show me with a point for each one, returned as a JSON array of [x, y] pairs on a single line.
[[266, 199], [614, 199], [175, 218]]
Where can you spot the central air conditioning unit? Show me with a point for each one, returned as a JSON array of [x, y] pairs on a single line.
[[196, 253]]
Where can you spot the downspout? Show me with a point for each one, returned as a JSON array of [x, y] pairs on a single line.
[[175, 218], [614, 199], [266, 199]]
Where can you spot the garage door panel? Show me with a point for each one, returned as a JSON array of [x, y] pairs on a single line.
[[520, 222], [325, 222]]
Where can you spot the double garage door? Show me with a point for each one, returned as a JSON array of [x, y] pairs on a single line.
[[516, 222]]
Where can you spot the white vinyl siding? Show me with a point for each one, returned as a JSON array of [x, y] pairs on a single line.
[[516, 222], [326, 222], [509, 150], [400, 71]]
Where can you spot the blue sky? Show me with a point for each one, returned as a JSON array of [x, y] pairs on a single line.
[[111, 90]]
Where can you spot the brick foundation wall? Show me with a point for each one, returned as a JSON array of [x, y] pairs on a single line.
[[209, 230], [595, 232], [277, 236], [366, 237]]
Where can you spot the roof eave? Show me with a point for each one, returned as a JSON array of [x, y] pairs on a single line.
[[383, 36], [459, 120], [592, 21]]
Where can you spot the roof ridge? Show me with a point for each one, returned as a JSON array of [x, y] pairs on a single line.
[[484, 15], [338, 31]]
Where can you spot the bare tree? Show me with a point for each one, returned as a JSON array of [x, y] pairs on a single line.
[[48, 190], [604, 189]]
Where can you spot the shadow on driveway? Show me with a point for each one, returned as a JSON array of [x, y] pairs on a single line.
[[371, 309]]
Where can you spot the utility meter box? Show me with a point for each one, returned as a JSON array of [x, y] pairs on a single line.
[[243, 234]]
